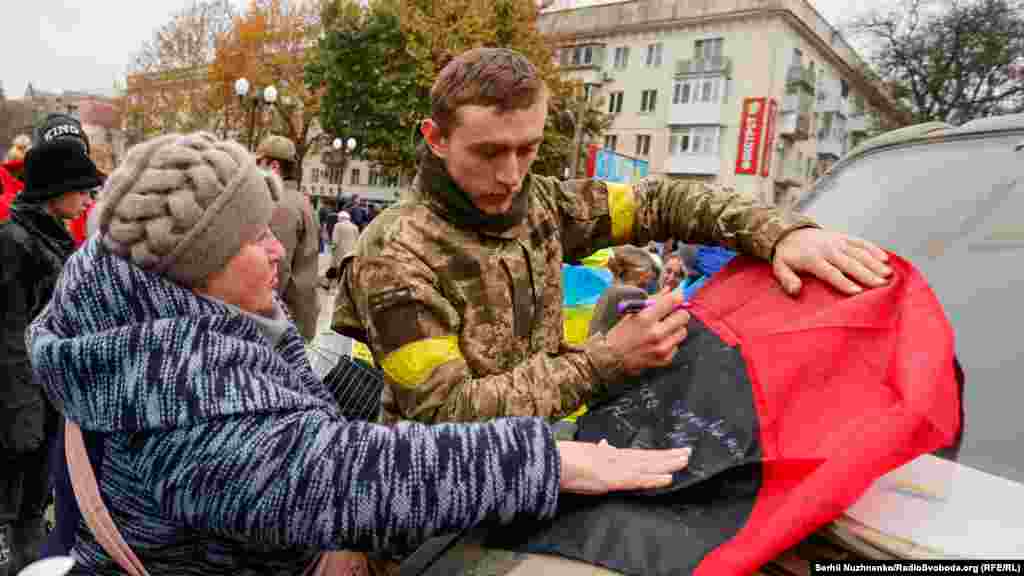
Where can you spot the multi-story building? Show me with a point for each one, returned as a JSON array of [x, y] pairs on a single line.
[[100, 116], [326, 182], [760, 95]]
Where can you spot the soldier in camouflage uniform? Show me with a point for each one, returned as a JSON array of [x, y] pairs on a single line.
[[457, 289], [296, 226]]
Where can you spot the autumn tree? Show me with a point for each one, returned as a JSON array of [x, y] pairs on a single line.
[[949, 60], [378, 67], [167, 88], [371, 89], [270, 45]]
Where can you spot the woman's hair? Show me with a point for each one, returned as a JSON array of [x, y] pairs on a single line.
[[630, 260]]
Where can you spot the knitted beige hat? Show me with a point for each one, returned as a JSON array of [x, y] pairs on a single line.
[[184, 205]]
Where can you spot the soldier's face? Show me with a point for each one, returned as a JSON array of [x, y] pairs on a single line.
[[488, 153]]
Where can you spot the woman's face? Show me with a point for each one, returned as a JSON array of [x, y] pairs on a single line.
[[250, 277]]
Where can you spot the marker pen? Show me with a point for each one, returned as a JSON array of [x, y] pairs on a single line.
[[634, 306]]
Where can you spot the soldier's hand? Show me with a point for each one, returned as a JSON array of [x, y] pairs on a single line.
[[600, 468], [845, 262], [651, 337]]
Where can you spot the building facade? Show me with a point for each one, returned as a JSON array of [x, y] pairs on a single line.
[[101, 118], [760, 95], [327, 182]]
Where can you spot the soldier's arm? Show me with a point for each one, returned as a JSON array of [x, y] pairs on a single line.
[[598, 214], [413, 332]]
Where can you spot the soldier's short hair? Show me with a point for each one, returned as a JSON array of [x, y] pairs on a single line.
[[484, 77]]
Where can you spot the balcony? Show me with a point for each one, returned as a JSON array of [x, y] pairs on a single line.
[[858, 123], [706, 113], [798, 101], [590, 75], [788, 170], [799, 78], [582, 56], [704, 67], [832, 142], [795, 125], [693, 164]]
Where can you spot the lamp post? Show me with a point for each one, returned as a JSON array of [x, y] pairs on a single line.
[[337, 157], [265, 97]]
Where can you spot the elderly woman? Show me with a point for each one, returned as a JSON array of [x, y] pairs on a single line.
[[215, 448]]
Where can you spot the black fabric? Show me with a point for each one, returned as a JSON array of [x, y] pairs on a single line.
[[704, 400], [33, 248], [356, 387], [67, 515], [55, 168]]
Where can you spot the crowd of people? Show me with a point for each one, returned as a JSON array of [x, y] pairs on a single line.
[[155, 379]]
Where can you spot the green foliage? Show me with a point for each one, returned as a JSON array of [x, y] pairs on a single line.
[[378, 62], [949, 60], [370, 83]]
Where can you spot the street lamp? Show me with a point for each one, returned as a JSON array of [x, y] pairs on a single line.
[[267, 97]]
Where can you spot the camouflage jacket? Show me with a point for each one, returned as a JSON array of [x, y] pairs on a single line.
[[467, 325], [295, 225]]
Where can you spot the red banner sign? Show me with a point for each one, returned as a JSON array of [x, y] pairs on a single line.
[[751, 126], [769, 137]]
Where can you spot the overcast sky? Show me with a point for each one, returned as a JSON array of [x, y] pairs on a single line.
[[87, 44]]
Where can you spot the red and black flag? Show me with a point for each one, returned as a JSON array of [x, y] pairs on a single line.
[[793, 408]]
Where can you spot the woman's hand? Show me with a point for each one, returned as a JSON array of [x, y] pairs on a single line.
[[601, 468]]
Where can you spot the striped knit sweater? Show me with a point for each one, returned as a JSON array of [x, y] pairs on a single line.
[[223, 455]]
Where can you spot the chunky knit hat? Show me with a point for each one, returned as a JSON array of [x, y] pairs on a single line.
[[184, 205]]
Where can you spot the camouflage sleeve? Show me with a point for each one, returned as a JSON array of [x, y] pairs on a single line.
[[598, 214], [413, 332]]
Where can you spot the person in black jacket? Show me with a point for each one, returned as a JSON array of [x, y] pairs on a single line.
[[34, 244]]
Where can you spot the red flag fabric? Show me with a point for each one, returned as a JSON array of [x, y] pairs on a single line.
[[9, 187], [78, 226], [846, 389], [793, 407]]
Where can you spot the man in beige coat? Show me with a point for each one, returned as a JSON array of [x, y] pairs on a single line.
[[295, 225], [343, 238]]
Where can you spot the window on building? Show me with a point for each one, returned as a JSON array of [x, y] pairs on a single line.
[[653, 57], [588, 92], [615, 102], [316, 175], [643, 144], [858, 104], [844, 89], [611, 141], [648, 100], [582, 55], [694, 140], [681, 92], [621, 56], [825, 126], [355, 177], [708, 49], [709, 90]]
